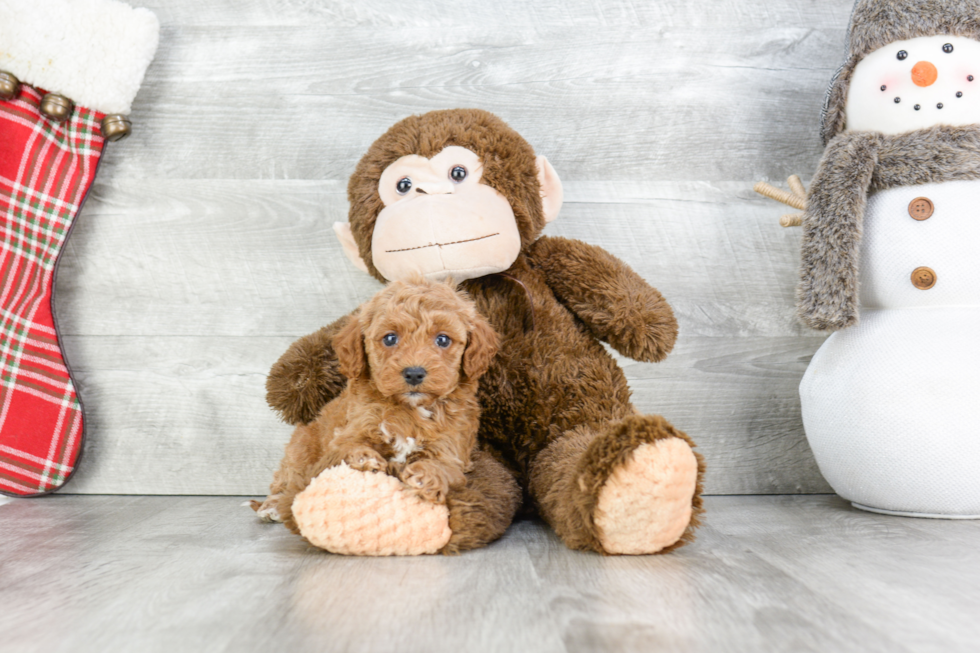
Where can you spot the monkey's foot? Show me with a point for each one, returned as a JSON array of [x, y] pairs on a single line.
[[367, 513], [647, 503]]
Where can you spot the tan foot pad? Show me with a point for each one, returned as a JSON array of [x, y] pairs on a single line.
[[645, 506], [369, 514]]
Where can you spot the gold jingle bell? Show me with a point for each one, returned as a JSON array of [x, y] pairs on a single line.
[[115, 127], [57, 107], [9, 86]]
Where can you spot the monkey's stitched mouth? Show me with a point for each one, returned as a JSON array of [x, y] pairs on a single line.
[[455, 242]]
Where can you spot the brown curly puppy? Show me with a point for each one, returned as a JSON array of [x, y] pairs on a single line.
[[413, 355]]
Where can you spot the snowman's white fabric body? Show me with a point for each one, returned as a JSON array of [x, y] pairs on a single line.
[[891, 404]]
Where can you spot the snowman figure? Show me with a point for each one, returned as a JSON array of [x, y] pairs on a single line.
[[891, 223]]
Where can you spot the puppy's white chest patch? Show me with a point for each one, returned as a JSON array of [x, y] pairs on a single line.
[[403, 446]]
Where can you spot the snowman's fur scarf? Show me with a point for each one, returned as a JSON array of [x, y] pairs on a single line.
[[876, 23], [854, 165]]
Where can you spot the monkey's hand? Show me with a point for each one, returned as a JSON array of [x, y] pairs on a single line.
[[608, 296], [307, 376]]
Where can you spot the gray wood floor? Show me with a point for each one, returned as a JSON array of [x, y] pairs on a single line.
[[206, 245], [785, 573]]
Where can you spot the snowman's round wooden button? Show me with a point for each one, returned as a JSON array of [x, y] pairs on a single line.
[[921, 208], [923, 278]]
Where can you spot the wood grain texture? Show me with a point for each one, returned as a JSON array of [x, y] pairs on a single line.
[[206, 245], [185, 415], [767, 574]]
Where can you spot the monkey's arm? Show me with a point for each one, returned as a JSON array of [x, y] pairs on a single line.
[[828, 290], [608, 296], [307, 376]]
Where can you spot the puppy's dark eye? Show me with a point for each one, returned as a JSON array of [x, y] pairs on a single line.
[[403, 186], [458, 174], [948, 48], [442, 340], [390, 340]]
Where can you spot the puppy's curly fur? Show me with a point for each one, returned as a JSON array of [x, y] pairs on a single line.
[[413, 356]]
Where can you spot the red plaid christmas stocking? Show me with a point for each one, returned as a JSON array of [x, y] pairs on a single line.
[[49, 153]]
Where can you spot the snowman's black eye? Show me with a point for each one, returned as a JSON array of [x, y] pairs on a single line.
[[939, 106], [959, 93], [902, 55], [897, 100], [917, 107], [948, 48], [457, 174], [403, 186], [883, 87]]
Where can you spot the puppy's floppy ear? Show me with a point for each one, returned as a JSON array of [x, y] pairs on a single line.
[[481, 347], [349, 347]]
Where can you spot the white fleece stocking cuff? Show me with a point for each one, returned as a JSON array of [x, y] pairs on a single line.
[[94, 52]]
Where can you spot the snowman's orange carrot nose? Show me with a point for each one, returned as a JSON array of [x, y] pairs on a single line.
[[924, 74]]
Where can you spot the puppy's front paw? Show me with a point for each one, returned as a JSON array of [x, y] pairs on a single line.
[[365, 459], [426, 481], [268, 510]]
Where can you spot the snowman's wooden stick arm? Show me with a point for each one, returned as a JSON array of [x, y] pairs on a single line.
[[795, 199], [789, 199], [796, 185]]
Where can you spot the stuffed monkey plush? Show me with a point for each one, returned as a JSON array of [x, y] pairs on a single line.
[[459, 193]]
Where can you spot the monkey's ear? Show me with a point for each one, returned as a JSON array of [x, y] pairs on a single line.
[[346, 238], [551, 192]]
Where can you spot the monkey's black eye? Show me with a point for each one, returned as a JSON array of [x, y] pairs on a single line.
[[457, 174], [902, 55], [948, 48], [390, 339], [443, 341], [404, 185]]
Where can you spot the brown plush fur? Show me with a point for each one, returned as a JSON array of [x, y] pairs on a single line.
[[556, 407], [424, 433], [876, 23], [854, 165], [313, 374]]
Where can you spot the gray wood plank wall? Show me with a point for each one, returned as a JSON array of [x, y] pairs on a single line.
[[206, 246]]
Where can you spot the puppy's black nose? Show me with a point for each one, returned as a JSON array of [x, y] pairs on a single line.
[[413, 375]]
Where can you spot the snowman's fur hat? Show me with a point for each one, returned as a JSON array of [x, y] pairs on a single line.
[[876, 23]]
